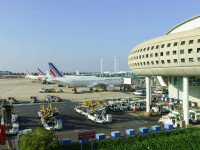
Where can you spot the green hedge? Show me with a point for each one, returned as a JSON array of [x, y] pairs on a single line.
[[188, 138]]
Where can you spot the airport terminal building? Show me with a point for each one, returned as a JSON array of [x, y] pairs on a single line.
[[175, 59]]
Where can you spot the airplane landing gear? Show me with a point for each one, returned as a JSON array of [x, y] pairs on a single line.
[[75, 90]]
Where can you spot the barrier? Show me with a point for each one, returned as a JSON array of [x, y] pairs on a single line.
[[163, 98], [115, 134], [171, 99], [143, 130], [100, 136], [65, 141], [168, 99], [155, 128], [168, 127], [130, 132]]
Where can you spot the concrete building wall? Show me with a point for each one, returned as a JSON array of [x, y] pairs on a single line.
[[176, 88]]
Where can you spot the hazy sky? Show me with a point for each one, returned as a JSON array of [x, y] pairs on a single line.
[[74, 34]]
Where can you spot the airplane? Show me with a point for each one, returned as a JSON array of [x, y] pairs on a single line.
[[41, 75], [28, 75], [107, 83]]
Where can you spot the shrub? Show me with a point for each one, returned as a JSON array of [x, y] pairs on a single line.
[[38, 139]]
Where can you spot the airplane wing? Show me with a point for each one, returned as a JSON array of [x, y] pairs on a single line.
[[99, 85]]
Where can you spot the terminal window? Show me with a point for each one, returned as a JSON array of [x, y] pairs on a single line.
[[183, 43], [162, 62], [198, 41], [142, 56], [157, 62], [157, 46], [152, 47], [146, 55], [148, 48], [190, 51], [175, 80], [151, 55], [174, 52], [198, 50], [191, 60], [182, 51], [144, 49], [156, 54], [191, 42], [141, 63], [168, 45], [198, 58], [152, 62], [182, 60], [175, 61], [168, 61], [144, 63], [167, 53], [175, 43], [163, 45], [147, 63], [161, 53]]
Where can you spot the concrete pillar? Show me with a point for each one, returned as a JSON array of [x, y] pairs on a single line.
[[185, 100], [148, 94]]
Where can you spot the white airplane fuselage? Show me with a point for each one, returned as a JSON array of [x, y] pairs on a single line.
[[88, 81]]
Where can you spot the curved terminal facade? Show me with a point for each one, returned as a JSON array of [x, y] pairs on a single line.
[[176, 56]]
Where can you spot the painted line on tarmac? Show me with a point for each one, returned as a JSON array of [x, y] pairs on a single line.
[[134, 115]]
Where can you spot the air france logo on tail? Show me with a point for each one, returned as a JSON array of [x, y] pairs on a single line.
[[54, 71], [40, 73], [27, 73]]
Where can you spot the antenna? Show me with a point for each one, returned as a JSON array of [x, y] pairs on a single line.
[[116, 63], [101, 61]]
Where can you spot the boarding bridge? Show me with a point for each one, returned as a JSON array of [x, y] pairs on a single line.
[[163, 81]]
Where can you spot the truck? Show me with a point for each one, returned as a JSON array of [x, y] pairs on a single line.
[[160, 108], [34, 99], [50, 118], [9, 118], [52, 98], [12, 100], [194, 116], [172, 118], [51, 90]]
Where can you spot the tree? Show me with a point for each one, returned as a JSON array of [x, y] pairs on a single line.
[[38, 139]]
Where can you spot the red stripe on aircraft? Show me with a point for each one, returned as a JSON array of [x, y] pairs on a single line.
[[53, 73], [39, 73]]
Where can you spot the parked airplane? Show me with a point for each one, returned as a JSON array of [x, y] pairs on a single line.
[[28, 75], [41, 75], [106, 83]]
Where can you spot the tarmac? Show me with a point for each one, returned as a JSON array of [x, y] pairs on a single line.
[[73, 122], [22, 89]]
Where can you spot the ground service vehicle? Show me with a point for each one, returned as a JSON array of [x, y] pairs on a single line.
[[172, 118], [194, 116]]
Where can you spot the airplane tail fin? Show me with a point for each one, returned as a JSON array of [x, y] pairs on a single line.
[[27, 73], [40, 73], [47, 73], [54, 70]]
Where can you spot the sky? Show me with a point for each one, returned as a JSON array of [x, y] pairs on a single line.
[[75, 34]]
